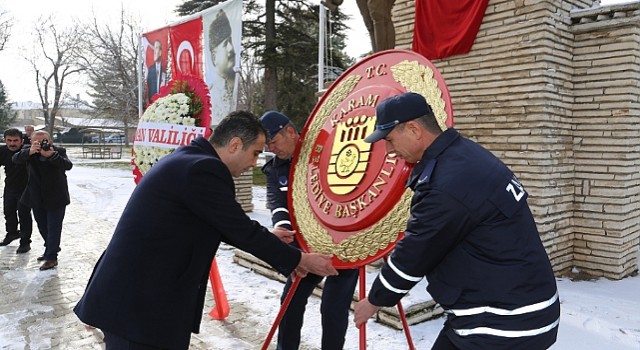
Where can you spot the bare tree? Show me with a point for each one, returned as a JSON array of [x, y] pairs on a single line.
[[54, 60], [6, 23], [250, 89], [109, 57]]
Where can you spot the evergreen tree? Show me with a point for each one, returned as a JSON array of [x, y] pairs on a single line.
[[288, 56], [296, 58], [7, 115]]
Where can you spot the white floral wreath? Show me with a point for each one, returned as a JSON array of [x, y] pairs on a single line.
[[180, 112]]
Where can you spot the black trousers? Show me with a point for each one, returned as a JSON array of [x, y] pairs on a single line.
[[49, 222], [16, 212], [336, 299], [116, 342]]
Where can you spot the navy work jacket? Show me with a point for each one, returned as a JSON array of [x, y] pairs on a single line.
[[276, 171], [472, 234]]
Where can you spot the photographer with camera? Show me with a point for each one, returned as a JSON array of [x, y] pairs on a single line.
[[47, 191]]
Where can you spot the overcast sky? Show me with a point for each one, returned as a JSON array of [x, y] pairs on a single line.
[[18, 78]]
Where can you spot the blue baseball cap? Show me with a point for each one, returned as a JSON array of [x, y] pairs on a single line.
[[274, 122], [395, 110]]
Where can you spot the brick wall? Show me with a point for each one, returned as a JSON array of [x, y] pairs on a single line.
[[557, 101], [244, 195], [606, 114]]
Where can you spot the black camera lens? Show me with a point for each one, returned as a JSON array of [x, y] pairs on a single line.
[[45, 146]]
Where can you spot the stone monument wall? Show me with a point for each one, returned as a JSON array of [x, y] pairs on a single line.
[[552, 88]]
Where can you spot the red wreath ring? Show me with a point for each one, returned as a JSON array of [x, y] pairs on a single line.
[[184, 84]]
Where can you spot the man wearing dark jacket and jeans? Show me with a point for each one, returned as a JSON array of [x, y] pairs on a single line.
[[471, 233], [47, 191], [15, 182]]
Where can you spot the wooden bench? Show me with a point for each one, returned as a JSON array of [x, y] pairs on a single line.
[[115, 151], [101, 152]]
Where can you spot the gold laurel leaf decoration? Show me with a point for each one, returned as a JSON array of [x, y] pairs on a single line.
[[418, 78], [363, 244], [315, 235]]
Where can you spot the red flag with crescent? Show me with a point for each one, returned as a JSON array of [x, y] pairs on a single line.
[[186, 48]]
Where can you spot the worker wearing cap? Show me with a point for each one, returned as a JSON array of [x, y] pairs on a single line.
[[338, 290], [470, 232]]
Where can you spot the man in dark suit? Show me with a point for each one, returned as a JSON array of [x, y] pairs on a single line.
[[15, 182], [155, 75], [47, 191], [147, 290]]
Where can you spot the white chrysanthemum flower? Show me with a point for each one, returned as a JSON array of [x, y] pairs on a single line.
[[174, 119], [183, 110], [182, 98]]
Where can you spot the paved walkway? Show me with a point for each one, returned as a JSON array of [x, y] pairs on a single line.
[[36, 306]]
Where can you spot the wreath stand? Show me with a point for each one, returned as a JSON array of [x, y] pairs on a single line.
[[363, 328], [221, 309]]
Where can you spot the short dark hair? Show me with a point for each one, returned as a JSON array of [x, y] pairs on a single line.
[[12, 132], [429, 122], [242, 124]]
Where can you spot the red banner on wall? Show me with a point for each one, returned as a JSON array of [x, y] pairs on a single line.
[[186, 48], [446, 28]]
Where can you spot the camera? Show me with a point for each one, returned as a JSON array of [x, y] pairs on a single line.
[[45, 146]]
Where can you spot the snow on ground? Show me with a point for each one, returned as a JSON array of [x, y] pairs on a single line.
[[596, 315]]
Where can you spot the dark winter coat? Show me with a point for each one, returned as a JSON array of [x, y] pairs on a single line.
[[471, 233], [15, 179], [47, 181], [277, 173], [149, 285]]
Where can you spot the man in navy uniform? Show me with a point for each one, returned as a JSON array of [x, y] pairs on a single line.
[[338, 290], [147, 290], [470, 232]]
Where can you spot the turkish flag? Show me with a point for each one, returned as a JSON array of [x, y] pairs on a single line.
[[186, 48], [445, 28]]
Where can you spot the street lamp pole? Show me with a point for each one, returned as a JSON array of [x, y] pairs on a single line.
[[321, 42]]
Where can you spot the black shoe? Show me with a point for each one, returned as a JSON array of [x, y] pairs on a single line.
[[23, 248], [9, 238]]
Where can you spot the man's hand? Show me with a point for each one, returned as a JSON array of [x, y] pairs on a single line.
[[318, 264], [35, 148], [285, 235], [363, 311]]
